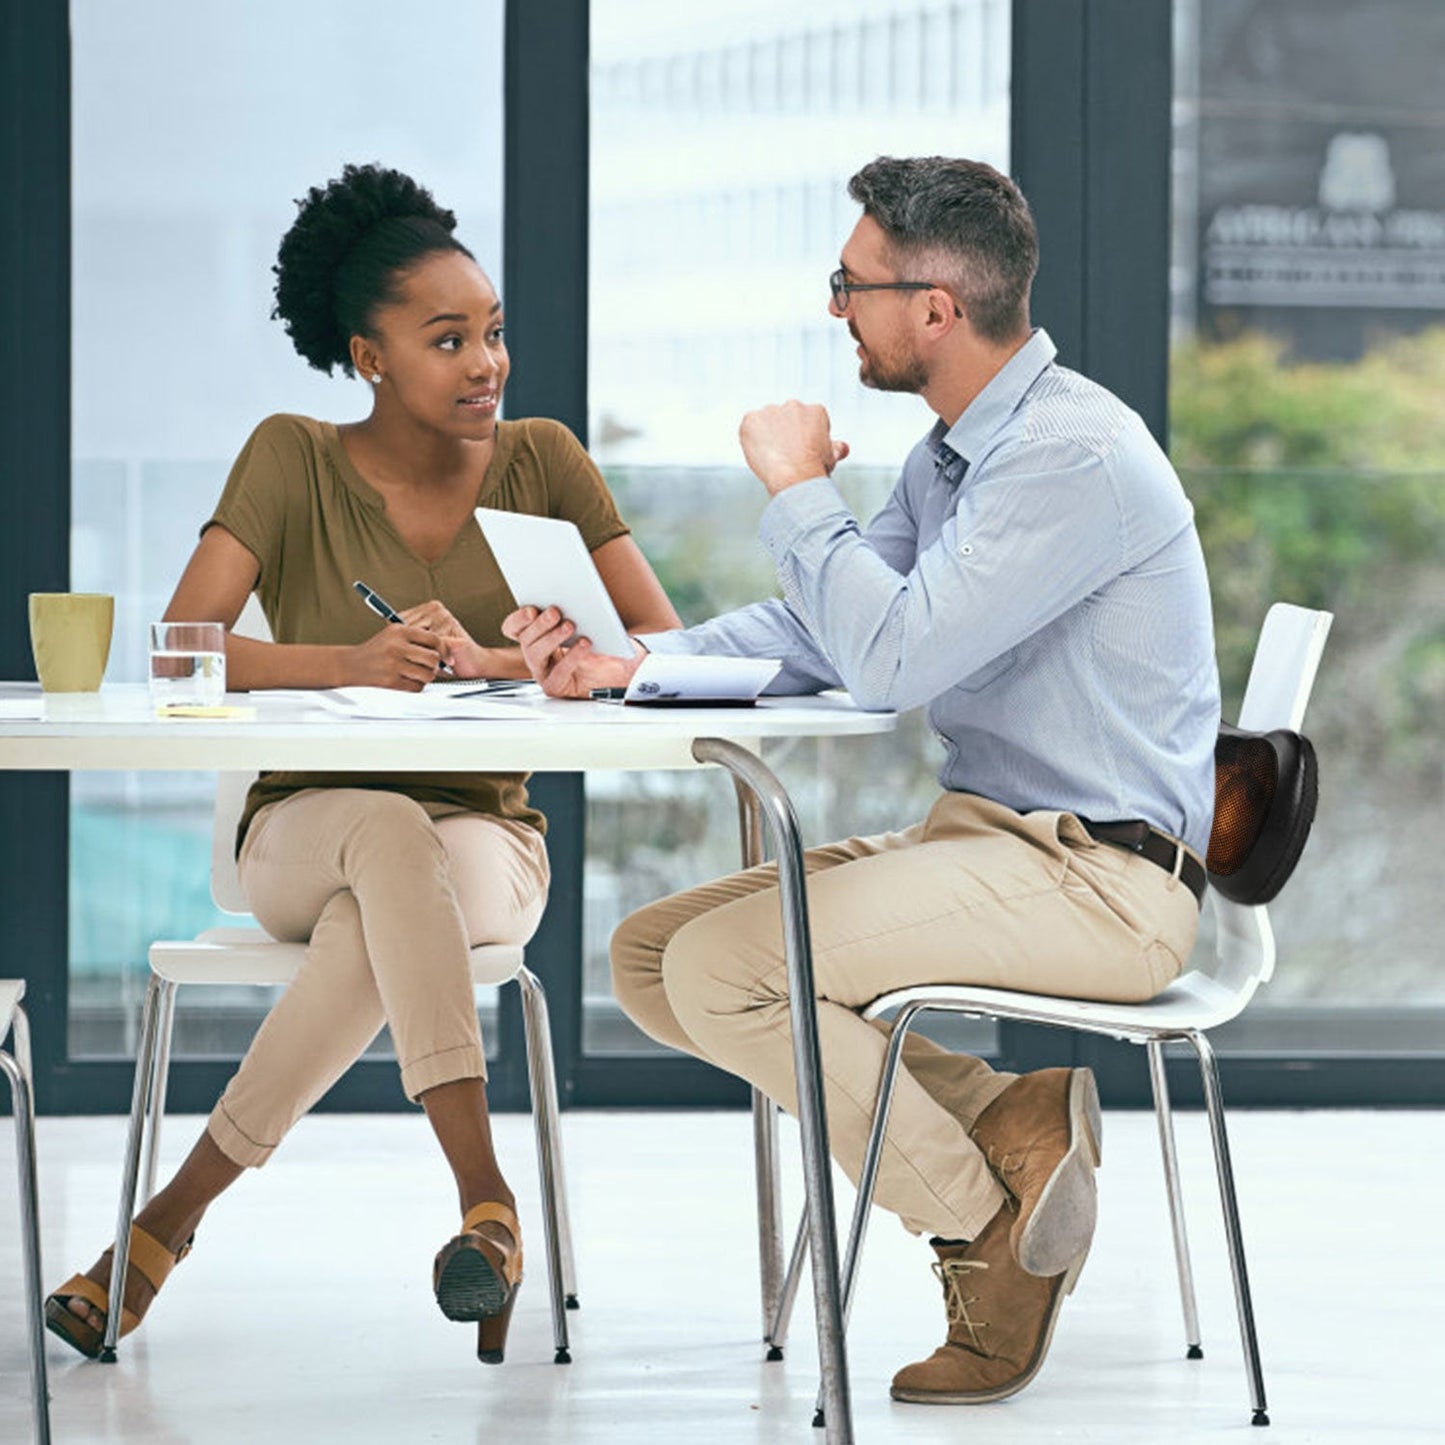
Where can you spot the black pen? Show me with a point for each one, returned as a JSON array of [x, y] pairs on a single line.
[[383, 608]]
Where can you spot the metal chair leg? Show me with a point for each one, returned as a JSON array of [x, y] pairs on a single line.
[[807, 1070], [867, 1179], [873, 1154], [559, 1171], [159, 1080], [765, 1131], [1214, 1102], [872, 1157], [778, 1330], [770, 1222], [17, 1071], [539, 1062], [130, 1170], [1164, 1116]]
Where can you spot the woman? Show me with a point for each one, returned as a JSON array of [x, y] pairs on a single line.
[[391, 878]]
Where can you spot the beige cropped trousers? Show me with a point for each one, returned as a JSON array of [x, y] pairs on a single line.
[[975, 894], [390, 895]]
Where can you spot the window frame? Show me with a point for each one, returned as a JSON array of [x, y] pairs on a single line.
[[1090, 116]]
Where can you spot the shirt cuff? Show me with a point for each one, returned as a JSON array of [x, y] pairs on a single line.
[[676, 641], [798, 509]]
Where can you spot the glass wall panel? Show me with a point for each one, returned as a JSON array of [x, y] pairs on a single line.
[[195, 125], [722, 143], [1309, 352]]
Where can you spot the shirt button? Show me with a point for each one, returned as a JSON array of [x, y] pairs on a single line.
[[967, 549]]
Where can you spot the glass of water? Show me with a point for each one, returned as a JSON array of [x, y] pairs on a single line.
[[188, 663]]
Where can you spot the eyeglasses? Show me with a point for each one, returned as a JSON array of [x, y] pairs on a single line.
[[842, 287]]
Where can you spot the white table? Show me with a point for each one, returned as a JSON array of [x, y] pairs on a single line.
[[117, 729]]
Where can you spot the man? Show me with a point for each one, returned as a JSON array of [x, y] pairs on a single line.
[[1035, 581]]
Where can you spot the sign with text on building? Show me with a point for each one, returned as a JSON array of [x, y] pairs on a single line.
[[1320, 214], [1354, 247]]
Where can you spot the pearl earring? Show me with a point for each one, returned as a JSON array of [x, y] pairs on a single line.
[[376, 378]]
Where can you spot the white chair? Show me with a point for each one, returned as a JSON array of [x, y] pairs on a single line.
[[1213, 991], [231, 956], [16, 1068]]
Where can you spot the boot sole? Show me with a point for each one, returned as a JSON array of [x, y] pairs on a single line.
[[1061, 1226], [1009, 1387]]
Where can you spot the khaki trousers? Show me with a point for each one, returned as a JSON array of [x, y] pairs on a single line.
[[975, 894], [390, 895]]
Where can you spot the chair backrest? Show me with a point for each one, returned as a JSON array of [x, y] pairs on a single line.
[[1286, 659], [226, 891], [12, 990], [231, 789], [1281, 677]]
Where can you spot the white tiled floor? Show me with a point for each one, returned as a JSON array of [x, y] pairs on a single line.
[[305, 1313]]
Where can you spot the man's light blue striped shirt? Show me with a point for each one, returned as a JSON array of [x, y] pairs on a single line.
[[1036, 581]]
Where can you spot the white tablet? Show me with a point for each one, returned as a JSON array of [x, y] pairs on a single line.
[[547, 564]]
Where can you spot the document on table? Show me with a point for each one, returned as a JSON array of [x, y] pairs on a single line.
[[665, 678], [390, 703]]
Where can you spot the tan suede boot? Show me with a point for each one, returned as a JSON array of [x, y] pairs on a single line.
[[1000, 1322], [1042, 1137]]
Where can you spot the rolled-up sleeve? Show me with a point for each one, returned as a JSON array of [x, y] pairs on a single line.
[[1035, 535]]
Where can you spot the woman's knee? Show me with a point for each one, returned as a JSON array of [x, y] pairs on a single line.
[[499, 873], [387, 814], [394, 833]]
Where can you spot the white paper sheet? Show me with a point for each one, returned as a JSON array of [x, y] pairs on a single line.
[[669, 677], [22, 707], [388, 702]]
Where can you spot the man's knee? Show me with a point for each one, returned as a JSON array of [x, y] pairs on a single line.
[[714, 982], [636, 954]]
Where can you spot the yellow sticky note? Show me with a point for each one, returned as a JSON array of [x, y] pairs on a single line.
[[225, 712]]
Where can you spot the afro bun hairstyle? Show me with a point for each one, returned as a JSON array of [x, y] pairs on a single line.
[[351, 243]]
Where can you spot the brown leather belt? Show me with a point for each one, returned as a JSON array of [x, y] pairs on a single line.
[[1138, 837]]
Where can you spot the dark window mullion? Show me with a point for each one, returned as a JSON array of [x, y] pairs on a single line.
[[546, 118], [34, 485]]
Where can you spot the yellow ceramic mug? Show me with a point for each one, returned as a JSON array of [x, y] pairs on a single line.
[[70, 638]]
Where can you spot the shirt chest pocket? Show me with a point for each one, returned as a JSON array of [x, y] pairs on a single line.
[[990, 672]]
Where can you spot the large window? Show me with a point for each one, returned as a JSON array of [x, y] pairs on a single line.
[[1307, 265], [194, 128], [722, 143], [1309, 350]]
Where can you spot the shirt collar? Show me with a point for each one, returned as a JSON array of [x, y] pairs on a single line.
[[946, 462], [998, 401]]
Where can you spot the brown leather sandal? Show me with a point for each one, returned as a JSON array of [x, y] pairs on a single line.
[[149, 1258], [477, 1276]]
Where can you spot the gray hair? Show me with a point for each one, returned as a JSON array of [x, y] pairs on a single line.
[[966, 223]]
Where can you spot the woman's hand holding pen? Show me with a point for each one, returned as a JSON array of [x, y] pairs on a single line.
[[399, 655], [564, 671], [466, 657]]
